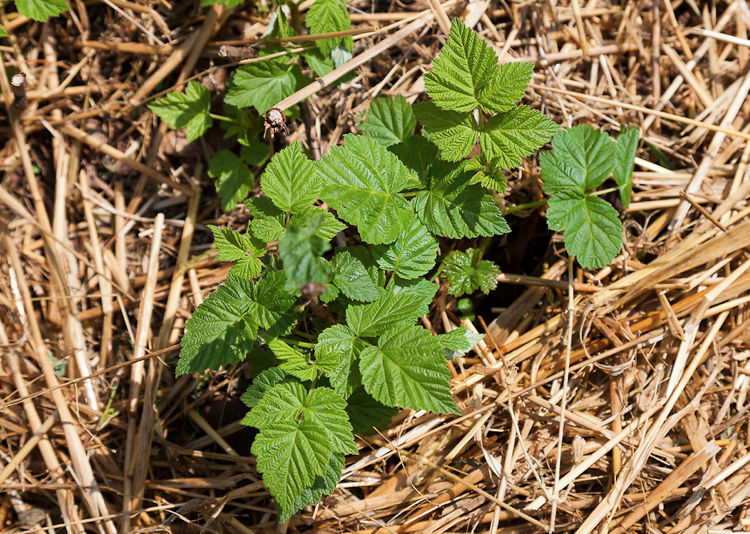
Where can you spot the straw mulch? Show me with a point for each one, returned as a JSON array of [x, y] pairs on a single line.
[[104, 242]]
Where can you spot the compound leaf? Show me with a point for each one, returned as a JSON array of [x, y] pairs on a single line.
[[626, 147], [411, 255], [290, 180], [454, 133], [514, 134], [592, 231], [188, 110], [262, 84], [466, 273], [362, 183], [350, 276], [389, 120], [326, 16], [463, 72], [290, 456], [583, 157], [453, 207], [408, 368], [233, 178], [222, 329]]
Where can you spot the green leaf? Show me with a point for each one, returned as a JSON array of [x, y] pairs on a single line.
[[246, 124], [290, 456], [247, 267], [288, 400], [488, 173], [301, 248], [453, 207], [268, 220], [324, 484], [255, 153], [229, 4], [41, 10], [274, 304], [326, 407], [417, 153], [625, 150], [463, 72], [322, 65], [389, 121], [3, 33], [411, 255], [350, 276], [368, 320], [362, 183], [509, 83], [408, 368], [262, 383], [417, 287], [278, 26], [222, 329], [330, 226], [242, 249], [233, 178], [514, 134], [284, 402], [592, 231], [454, 133], [262, 84], [459, 341], [466, 273], [232, 245], [188, 110], [340, 341], [292, 361], [364, 255], [327, 16], [365, 413], [290, 180], [583, 157]]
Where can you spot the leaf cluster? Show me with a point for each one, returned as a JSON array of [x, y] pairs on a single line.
[[359, 352], [581, 160]]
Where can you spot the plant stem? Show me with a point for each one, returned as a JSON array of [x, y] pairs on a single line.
[[222, 118], [603, 192], [521, 207]]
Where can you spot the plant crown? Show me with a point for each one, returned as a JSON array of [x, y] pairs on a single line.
[[331, 334]]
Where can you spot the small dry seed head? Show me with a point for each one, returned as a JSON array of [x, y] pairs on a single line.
[[275, 121]]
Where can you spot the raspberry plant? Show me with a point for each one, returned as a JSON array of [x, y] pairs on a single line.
[[331, 334]]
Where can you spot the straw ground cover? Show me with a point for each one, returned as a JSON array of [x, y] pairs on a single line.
[[613, 398]]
